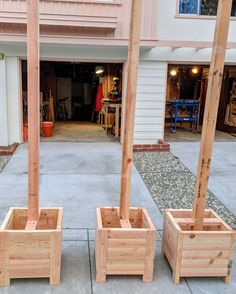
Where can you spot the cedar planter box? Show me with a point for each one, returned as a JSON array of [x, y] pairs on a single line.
[[31, 254], [124, 251], [206, 253]]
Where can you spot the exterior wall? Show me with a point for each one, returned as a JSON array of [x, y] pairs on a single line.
[[80, 21], [14, 109], [186, 55], [186, 28], [3, 105], [149, 116], [149, 121], [151, 88], [124, 88]]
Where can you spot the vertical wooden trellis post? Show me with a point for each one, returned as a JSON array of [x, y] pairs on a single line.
[[130, 99], [33, 111], [126, 231], [189, 235], [32, 237], [211, 109]]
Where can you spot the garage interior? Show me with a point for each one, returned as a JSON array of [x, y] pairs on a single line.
[[185, 103], [70, 98]]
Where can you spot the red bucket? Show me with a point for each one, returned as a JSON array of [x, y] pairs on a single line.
[[25, 132], [47, 128]]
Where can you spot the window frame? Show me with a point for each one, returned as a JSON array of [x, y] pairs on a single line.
[[195, 16]]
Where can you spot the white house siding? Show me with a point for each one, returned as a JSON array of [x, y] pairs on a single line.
[[14, 106], [186, 28], [151, 89], [3, 105]]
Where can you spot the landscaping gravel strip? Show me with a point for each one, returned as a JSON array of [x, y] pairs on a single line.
[[3, 161], [172, 184]]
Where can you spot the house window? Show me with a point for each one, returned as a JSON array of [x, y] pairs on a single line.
[[201, 7]]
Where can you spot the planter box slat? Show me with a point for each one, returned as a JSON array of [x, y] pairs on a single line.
[[204, 272], [122, 243], [124, 251], [136, 234], [196, 241], [28, 268], [126, 273], [125, 264], [201, 263], [206, 253]]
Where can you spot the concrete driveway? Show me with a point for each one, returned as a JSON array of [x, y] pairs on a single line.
[[79, 177], [76, 176], [222, 182]]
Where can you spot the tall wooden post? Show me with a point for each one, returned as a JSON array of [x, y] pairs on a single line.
[[33, 111], [133, 61], [211, 109]]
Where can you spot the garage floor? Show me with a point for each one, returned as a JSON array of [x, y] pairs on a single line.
[[79, 132], [186, 135]]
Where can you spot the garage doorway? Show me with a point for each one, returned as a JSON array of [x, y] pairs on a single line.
[[69, 98], [185, 103]]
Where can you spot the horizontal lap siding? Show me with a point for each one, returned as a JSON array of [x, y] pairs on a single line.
[[151, 89]]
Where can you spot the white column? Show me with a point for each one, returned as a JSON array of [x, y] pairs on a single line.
[[3, 105], [14, 101], [124, 87], [150, 104]]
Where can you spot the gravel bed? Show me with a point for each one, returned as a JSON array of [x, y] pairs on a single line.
[[172, 184], [3, 162]]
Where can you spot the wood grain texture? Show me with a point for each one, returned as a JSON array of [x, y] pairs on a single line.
[[101, 255], [33, 111], [55, 258], [4, 278], [31, 253], [190, 253], [127, 151], [211, 109], [124, 250]]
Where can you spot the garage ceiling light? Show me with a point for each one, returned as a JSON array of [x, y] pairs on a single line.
[[99, 69], [173, 72], [194, 70]]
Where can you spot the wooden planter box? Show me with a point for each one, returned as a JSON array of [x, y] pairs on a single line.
[[206, 253], [31, 254], [124, 251]]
